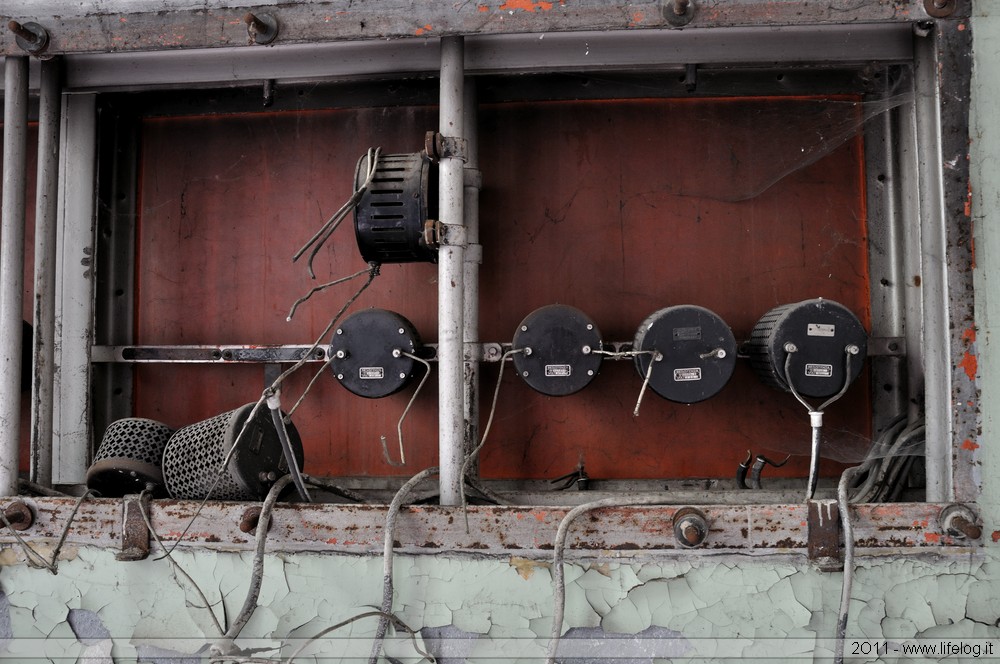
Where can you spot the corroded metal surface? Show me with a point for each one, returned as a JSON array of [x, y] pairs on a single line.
[[125, 25], [495, 531]]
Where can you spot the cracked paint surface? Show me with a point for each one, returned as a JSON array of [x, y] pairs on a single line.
[[476, 610]]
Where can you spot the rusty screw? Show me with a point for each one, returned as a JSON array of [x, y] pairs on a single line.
[[690, 527], [19, 515], [250, 519], [959, 521], [261, 29], [31, 37]]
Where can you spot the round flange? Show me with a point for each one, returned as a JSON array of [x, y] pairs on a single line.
[[820, 335], [30, 37], [678, 13], [940, 8], [558, 343], [690, 527], [261, 28], [693, 353], [367, 353]]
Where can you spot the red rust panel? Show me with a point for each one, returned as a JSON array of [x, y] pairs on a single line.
[[619, 208]]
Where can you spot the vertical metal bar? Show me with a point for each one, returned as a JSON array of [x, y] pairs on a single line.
[[934, 273], [451, 378], [885, 258], [15, 137], [75, 289], [46, 199], [473, 258]]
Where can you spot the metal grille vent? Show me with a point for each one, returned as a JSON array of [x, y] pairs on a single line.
[[195, 454], [129, 457]]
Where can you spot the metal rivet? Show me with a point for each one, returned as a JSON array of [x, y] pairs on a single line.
[[524, 373], [853, 349], [402, 331], [340, 331], [791, 348], [402, 375], [524, 328], [589, 326], [590, 372], [586, 350], [341, 354], [340, 376]]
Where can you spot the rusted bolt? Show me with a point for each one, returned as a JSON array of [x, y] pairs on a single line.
[[31, 37], [19, 515], [261, 29], [939, 8], [677, 13], [959, 521], [690, 527], [250, 519]]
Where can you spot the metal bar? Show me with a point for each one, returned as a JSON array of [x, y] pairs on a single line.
[[509, 53], [75, 289], [886, 239], [637, 532], [15, 155], [473, 258], [124, 25], [934, 272], [46, 208], [954, 42], [451, 372]]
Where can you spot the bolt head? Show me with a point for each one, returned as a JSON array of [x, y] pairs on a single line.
[[402, 331], [853, 349], [590, 326], [340, 330], [528, 351], [402, 376], [524, 328], [586, 350], [590, 372], [524, 373], [340, 376], [791, 348]]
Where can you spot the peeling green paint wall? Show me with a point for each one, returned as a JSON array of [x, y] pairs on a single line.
[[98, 608]]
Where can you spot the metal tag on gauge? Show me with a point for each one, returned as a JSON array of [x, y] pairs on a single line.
[[821, 330], [558, 371], [819, 370], [684, 375], [371, 373]]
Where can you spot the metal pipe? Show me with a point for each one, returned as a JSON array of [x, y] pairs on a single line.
[[71, 422], [15, 131], [46, 198], [936, 341], [473, 258], [451, 258]]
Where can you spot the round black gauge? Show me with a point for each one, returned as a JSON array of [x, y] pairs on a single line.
[[368, 353], [825, 339], [692, 350], [558, 344]]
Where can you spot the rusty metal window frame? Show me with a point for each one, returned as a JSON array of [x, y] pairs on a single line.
[[934, 129]]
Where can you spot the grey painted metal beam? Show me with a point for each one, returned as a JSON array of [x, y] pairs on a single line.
[[526, 532], [46, 209], [75, 289], [12, 218], [519, 53], [145, 25]]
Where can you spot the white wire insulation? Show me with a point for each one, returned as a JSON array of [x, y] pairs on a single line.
[[399, 423], [559, 546]]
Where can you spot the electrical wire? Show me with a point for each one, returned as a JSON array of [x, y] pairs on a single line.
[[333, 488], [394, 620], [390, 529], [34, 558], [848, 580], [816, 414], [317, 289], [399, 424], [327, 229], [486, 432], [274, 405], [176, 566], [373, 271], [224, 644], [559, 546], [657, 356]]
